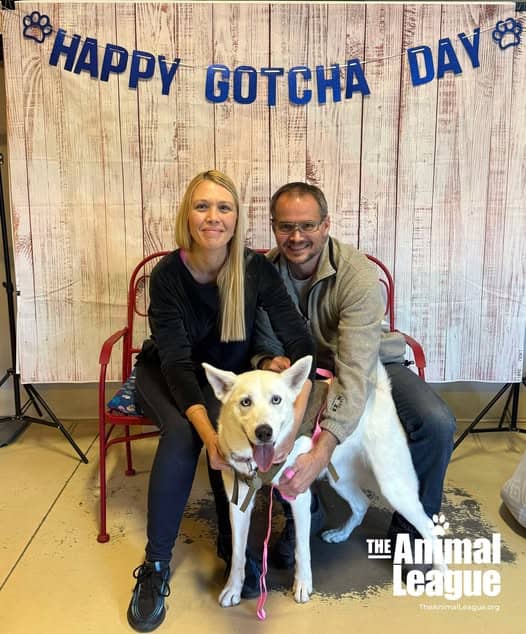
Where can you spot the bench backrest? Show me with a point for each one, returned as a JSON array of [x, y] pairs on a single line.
[[138, 300]]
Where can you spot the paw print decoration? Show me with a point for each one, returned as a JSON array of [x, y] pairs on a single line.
[[439, 525], [37, 26], [507, 33]]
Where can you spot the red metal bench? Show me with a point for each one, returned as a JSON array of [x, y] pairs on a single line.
[[110, 419]]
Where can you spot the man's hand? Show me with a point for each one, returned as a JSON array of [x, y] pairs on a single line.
[[276, 364], [308, 466], [216, 458], [306, 469]]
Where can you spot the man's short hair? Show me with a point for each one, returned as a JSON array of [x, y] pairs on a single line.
[[301, 189]]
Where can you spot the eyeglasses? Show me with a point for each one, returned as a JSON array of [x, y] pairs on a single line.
[[286, 228]]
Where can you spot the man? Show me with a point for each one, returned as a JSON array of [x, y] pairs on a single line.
[[336, 288]]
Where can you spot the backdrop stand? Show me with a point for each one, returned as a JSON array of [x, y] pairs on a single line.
[[12, 426], [512, 401]]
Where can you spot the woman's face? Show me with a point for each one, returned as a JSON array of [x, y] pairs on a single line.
[[213, 215]]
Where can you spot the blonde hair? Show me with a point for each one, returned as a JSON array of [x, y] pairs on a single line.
[[231, 278]]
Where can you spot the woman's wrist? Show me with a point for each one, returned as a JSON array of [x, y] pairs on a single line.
[[198, 416], [210, 437], [198, 407]]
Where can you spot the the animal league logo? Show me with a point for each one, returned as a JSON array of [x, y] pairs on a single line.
[[462, 567]]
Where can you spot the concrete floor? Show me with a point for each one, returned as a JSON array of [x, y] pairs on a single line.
[[55, 577]]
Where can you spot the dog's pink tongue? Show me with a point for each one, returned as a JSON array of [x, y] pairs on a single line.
[[263, 456]]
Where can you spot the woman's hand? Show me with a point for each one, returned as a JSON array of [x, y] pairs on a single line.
[[216, 458], [198, 416]]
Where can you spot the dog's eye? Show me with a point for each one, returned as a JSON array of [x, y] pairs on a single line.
[[276, 399], [245, 402]]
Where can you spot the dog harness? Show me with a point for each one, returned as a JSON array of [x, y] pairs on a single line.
[[309, 427], [254, 482]]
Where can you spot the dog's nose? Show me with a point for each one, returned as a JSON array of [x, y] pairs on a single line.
[[264, 432]]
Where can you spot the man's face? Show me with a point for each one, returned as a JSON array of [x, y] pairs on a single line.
[[301, 248]]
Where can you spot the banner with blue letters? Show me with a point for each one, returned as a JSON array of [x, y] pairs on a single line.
[[86, 55]]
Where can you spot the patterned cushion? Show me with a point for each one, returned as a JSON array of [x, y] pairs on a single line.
[[124, 400]]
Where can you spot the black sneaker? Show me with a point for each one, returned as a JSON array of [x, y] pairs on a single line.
[[317, 515], [283, 553], [250, 589], [146, 610], [398, 526]]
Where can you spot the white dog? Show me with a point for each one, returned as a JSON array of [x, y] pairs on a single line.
[[257, 414]]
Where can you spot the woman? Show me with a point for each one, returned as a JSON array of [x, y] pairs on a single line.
[[203, 302]]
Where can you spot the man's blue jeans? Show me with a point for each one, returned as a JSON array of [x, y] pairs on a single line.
[[429, 425]]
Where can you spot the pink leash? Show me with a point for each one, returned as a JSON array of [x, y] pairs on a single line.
[[288, 473], [260, 610]]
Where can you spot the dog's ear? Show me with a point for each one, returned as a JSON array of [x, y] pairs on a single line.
[[297, 374], [220, 380]]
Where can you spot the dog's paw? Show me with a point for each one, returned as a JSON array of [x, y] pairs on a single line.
[[302, 590], [335, 535], [230, 596]]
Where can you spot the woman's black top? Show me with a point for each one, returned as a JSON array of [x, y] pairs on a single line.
[[185, 325]]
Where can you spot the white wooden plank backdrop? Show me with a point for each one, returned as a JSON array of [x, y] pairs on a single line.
[[431, 179]]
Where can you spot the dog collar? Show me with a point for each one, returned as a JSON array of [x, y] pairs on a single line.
[[254, 482]]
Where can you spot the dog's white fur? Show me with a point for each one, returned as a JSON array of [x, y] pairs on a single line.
[[257, 398]]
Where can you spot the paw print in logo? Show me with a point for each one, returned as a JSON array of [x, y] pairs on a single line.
[[439, 525], [507, 33], [37, 27]]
